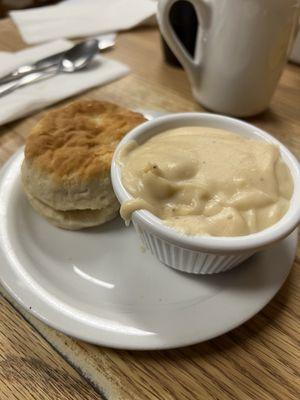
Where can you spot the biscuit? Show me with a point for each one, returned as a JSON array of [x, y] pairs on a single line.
[[69, 152], [74, 219]]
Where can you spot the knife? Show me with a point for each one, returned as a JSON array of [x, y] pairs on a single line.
[[105, 42]]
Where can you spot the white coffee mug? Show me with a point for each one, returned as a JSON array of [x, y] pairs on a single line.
[[241, 49], [295, 53]]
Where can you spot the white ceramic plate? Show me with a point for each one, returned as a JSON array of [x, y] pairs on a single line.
[[100, 286]]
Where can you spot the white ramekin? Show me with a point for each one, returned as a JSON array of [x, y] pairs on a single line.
[[205, 254]]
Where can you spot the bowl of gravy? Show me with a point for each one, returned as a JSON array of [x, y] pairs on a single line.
[[204, 191]]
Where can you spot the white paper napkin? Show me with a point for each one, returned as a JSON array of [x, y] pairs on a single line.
[[75, 18], [41, 94]]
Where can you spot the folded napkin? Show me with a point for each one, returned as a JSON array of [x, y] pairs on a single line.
[[41, 94], [75, 18]]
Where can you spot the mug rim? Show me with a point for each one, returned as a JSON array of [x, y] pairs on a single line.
[[211, 243]]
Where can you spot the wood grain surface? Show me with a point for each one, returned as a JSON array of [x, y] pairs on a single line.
[[259, 360], [30, 368]]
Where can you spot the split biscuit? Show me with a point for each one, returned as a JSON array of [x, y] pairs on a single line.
[[66, 169]]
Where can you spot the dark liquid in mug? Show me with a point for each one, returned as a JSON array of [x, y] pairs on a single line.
[[184, 21]]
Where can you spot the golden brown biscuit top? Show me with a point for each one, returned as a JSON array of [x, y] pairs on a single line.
[[77, 141]]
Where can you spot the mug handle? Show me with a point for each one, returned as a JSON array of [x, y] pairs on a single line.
[[191, 65]]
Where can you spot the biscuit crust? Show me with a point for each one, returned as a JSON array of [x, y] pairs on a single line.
[[68, 154]]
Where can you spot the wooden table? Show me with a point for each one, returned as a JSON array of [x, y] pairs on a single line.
[[259, 360]]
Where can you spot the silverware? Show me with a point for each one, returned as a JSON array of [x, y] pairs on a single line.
[[104, 42], [75, 59]]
